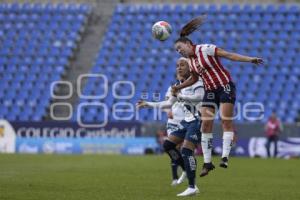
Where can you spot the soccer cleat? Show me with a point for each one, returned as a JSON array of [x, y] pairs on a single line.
[[224, 162], [174, 182], [189, 192], [206, 168], [181, 178]]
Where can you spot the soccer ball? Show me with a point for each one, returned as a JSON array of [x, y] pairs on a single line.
[[161, 30]]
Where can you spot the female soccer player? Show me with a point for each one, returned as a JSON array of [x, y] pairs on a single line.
[[175, 116], [189, 130], [219, 88]]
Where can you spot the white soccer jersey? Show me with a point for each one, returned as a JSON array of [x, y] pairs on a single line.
[[176, 109], [189, 98]]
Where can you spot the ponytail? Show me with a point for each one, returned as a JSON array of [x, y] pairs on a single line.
[[189, 28], [192, 25]]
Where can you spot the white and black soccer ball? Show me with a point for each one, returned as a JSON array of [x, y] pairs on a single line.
[[161, 30]]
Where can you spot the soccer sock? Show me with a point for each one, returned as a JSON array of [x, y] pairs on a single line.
[[190, 165], [227, 143], [206, 144], [174, 167], [175, 155]]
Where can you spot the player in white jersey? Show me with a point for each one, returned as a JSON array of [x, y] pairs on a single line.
[[177, 112], [189, 131], [175, 116]]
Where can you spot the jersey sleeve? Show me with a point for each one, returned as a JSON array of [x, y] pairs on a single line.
[[168, 93], [163, 104], [210, 49]]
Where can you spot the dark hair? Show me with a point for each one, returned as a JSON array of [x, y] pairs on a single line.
[[189, 28], [184, 40]]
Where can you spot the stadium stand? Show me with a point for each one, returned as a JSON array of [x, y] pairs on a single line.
[[130, 53], [36, 43]]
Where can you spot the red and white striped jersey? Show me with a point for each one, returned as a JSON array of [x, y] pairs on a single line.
[[206, 64]]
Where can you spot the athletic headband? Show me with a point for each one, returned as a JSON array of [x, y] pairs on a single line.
[[184, 59]]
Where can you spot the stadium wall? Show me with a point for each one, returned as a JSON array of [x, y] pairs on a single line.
[[115, 138]]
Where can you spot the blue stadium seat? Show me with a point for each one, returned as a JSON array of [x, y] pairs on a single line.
[[31, 56], [269, 31]]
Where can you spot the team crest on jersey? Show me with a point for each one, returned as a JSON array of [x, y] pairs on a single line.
[[202, 70]]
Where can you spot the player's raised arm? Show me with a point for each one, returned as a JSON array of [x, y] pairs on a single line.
[[190, 81], [198, 94], [161, 104], [237, 57]]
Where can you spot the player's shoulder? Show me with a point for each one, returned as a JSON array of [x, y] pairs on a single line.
[[208, 49], [169, 91], [207, 46], [169, 88], [199, 83]]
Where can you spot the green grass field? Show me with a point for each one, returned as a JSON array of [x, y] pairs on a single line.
[[106, 177]]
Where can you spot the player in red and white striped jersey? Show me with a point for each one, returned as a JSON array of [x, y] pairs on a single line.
[[219, 88]]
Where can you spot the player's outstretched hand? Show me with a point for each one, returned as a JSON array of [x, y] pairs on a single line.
[[174, 90], [141, 104], [170, 114], [257, 61]]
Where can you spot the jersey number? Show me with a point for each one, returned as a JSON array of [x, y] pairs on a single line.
[[227, 88]]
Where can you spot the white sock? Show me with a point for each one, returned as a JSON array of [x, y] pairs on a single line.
[[227, 143], [206, 143]]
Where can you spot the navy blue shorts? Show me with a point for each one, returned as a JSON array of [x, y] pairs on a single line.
[[172, 128], [213, 98], [189, 131]]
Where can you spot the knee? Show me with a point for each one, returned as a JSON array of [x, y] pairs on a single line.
[[168, 145], [186, 152], [206, 127], [227, 125]]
